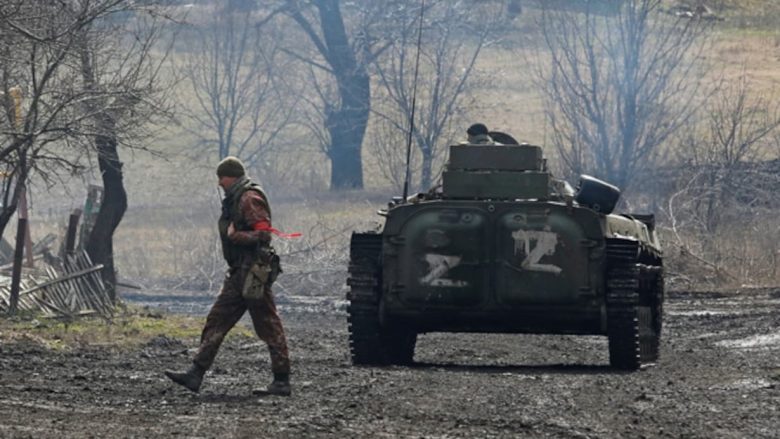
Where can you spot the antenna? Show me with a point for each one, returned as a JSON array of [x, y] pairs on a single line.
[[414, 103]]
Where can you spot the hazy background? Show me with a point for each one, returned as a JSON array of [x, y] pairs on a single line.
[[483, 61]]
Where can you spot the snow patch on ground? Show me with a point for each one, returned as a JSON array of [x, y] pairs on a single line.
[[754, 341], [748, 384], [701, 313]]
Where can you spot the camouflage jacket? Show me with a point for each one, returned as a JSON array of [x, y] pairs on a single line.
[[246, 207]]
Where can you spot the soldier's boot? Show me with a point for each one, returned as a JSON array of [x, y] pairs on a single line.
[[191, 379], [280, 386]]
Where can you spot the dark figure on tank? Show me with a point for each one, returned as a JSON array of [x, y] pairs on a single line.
[[478, 134]]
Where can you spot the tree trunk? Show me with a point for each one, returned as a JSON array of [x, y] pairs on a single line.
[[346, 123], [346, 170], [427, 168], [12, 192], [100, 245], [7, 212], [346, 129]]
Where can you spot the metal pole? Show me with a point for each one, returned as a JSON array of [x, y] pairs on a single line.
[[407, 176], [16, 276], [23, 213], [70, 238]]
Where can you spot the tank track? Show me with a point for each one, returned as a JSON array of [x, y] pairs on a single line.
[[655, 302], [634, 306], [372, 342]]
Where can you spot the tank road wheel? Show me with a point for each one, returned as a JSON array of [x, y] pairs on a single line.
[[372, 343]]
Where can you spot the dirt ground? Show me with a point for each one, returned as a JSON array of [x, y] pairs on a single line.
[[719, 377]]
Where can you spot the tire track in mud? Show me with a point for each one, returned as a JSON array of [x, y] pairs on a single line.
[[718, 376]]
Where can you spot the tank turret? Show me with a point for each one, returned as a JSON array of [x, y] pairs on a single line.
[[496, 172]]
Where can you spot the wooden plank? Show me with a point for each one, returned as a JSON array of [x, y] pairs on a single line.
[[73, 227], [63, 279]]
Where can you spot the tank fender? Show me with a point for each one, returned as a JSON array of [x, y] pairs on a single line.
[[626, 227]]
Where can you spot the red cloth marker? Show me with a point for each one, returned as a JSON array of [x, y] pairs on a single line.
[[265, 226]]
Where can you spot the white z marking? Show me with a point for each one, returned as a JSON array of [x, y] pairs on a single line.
[[545, 243], [440, 265]]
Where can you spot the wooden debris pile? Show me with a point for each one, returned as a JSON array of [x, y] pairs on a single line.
[[66, 285], [71, 290]]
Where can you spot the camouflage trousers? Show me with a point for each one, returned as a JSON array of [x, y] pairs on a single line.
[[228, 310]]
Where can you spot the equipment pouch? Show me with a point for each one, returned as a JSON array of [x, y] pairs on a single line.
[[257, 280], [276, 268]]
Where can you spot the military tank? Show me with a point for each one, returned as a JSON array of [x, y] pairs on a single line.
[[503, 247]]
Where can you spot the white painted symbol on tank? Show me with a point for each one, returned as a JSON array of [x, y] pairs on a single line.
[[535, 244], [439, 266]]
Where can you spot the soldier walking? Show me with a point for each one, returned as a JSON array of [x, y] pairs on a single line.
[[245, 230]]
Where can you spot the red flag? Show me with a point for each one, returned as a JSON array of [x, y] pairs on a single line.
[[265, 226]]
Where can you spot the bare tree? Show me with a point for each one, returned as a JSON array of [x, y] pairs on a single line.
[[90, 80], [388, 146], [454, 37], [239, 107], [338, 69], [120, 64], [725, 193], [618, 86], [727, 152], [38, 42]]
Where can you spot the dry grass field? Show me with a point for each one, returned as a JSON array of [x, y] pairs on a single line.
[[168, 240]]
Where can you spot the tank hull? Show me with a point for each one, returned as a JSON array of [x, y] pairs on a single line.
[[497, 267], [504, 247]]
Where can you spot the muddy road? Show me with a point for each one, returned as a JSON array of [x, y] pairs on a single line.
[[719, 376]]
